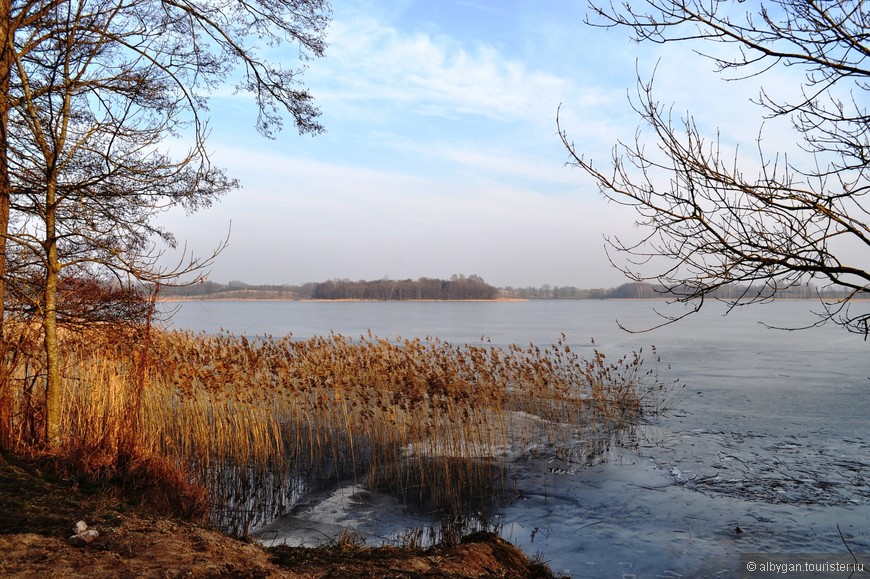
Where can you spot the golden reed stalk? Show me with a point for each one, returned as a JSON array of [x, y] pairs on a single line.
[[258, 422]]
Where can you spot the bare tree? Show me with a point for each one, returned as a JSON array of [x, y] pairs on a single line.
[[100, 94], [711, 220], [154, 62]]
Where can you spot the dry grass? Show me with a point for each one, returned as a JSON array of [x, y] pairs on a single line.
[[256, 423]]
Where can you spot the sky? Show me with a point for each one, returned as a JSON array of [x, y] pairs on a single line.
[[441, 153]]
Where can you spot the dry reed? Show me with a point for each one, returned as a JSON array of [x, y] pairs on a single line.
[[258, 422]]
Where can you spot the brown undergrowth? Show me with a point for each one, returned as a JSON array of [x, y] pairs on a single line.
[[239, 428], [38, 508]]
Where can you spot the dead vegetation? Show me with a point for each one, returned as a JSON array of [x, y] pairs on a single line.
[[237, 429], [38, 508]]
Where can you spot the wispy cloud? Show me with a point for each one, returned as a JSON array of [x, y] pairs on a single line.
[[441, 154], [433, 74]]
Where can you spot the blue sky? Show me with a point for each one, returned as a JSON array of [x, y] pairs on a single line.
[[441, 154]]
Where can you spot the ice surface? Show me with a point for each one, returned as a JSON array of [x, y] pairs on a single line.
[[768, 450], [375, 517], [684, 501]]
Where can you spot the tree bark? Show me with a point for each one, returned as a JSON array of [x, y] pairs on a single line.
[[49, 323], [6, 60]]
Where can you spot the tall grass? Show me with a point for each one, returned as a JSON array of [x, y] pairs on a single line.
[[257, 423]]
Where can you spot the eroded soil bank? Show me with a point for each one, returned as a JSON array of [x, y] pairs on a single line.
[[37, 513]]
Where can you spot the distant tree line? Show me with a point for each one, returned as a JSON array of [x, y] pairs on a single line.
[[237, 289], [640, 290], [458, 287], [548, 292]]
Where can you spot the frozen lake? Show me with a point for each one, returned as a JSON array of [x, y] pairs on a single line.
[[767, 450]]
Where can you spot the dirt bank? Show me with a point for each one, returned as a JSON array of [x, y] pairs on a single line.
[[38, 513]]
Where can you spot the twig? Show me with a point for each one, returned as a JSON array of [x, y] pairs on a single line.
[[842, 538]]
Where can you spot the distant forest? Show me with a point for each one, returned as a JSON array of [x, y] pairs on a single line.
[[640, 291], [458, 287]]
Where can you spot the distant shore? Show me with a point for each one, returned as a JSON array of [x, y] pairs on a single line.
[[461, 288], [175, 299], [170, 299]]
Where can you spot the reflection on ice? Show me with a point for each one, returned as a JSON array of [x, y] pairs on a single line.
[[685, 503]]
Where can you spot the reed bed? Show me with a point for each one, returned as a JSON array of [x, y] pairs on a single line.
[[260, 422]]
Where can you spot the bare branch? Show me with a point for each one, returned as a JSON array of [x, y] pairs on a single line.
[[712, 228]]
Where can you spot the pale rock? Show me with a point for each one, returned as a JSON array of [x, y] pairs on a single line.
[[83, 535]]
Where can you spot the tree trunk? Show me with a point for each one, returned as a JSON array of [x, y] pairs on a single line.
[[6, 60], [49, 324], [6, 396], [52, 366]]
